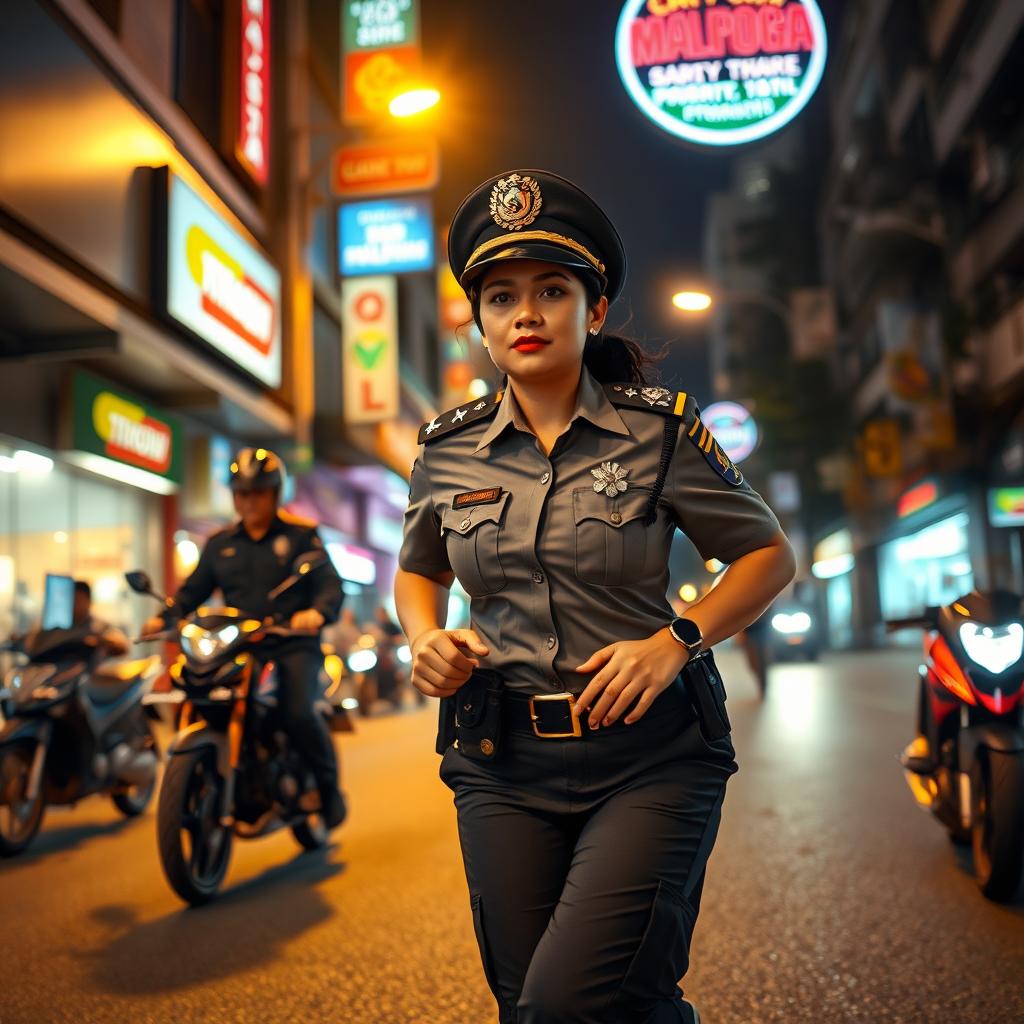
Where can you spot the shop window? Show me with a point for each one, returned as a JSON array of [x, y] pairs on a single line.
[[199, 64]]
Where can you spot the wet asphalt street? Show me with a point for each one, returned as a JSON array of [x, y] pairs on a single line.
[[830, 897]]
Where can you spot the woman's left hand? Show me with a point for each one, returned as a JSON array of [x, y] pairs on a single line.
[[629, 669]]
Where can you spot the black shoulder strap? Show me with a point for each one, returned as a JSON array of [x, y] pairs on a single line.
[[459, 417]]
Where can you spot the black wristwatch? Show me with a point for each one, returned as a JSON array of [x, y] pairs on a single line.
[[687, 633]]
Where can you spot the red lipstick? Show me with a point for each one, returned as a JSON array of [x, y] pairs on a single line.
[[529, 343]]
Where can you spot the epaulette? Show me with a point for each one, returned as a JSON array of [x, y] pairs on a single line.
[[293, 520], [459, 417], [683, 405], [652, 399]]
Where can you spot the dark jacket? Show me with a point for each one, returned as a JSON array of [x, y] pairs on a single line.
[[246, 570]]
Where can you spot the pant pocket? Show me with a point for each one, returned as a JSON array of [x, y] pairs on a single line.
[[476, 902], [664, 951]]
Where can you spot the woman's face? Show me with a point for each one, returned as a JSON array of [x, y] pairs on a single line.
[[536, 317]]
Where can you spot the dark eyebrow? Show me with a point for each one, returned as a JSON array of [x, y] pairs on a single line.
[[540, 277]]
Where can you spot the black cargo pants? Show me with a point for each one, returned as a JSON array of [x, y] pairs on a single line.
[[585, 860], [298, 672]]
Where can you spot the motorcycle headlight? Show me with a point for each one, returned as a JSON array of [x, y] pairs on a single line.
[[362, 660], [790, 625], [994, 648], [206, 644]]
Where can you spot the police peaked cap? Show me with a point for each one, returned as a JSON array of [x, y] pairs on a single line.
[[535, 215]]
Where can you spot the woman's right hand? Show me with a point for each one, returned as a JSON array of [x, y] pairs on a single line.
[[439, 666]]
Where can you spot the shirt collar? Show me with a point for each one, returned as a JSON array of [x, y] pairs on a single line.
[[591, 404]]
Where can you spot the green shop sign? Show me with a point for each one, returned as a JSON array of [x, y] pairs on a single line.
[[375, 24], [111, 424], [720, 74]]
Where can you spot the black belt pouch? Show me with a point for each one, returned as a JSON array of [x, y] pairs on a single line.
[[478, 716], [707, 695]]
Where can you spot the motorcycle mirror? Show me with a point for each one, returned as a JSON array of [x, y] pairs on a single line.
[[308, 561], [139, 581]]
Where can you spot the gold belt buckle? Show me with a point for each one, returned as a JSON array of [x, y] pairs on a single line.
[[570, 699]]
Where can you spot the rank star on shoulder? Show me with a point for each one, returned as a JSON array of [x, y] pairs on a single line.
[[459, 415], [432, 426]]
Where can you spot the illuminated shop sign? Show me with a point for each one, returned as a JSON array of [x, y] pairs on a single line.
[[720, 73], [379, 168], [734, 428], [1006, 506], [372, 24], [386, 236], [917, 498], [369, 338], [108, 423], [252, 145], [380, 53], [222, 287]]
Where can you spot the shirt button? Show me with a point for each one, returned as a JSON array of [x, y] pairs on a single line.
[[551, 642], [464, 525], [545, 478], [537, 576], [616, 517]]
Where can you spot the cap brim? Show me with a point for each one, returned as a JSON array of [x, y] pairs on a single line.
[[540, 251]]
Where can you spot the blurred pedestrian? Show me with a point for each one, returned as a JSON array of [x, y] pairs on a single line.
[[583, 728]]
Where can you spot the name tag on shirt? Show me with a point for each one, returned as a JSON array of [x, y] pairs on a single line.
[[485, 497]]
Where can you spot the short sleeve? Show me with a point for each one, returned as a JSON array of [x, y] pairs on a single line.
[[423, 549], [725, 520]]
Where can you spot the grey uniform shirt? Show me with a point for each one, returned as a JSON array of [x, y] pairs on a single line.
[[555, 569]]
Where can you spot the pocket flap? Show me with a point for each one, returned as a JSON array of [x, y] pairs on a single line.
[[615, 512], [466, 520]]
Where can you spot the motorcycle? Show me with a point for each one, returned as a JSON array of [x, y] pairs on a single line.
[[230, 770], [967, 765], [73, 728]]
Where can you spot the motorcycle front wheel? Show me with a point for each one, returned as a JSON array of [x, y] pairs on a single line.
[[194, 847], [997, 833], [20, 817], [311, 833]]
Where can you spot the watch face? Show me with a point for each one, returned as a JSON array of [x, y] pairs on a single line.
[[687, 631]]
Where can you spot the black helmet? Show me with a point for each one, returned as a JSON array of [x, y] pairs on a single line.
[[257, 469]]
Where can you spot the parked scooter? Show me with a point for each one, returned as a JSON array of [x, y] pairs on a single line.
[[231, 771], [967, 764], [72, 729]]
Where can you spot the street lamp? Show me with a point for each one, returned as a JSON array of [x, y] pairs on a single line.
[[692, 302], [414, 101]]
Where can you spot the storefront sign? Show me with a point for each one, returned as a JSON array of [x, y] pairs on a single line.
[[253, 142], [388, 235], [833, 555], [372, 24], [382, 168], [917, 498], [734, 428], [1006, 506], [369, 336], [720, 74], [374, 78], [108, 423], [222, 287]]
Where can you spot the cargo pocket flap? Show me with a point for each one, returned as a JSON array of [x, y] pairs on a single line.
[[614, 512], [465, 520]]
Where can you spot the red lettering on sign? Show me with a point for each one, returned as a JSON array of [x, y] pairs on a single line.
[[368, 400], [369, 306]]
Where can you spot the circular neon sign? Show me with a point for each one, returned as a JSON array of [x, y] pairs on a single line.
[[720, 73], [734, 428]]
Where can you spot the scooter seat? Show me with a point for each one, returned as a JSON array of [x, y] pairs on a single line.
[[114, 678]]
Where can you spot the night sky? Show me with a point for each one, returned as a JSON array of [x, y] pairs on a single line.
[[533, 83]]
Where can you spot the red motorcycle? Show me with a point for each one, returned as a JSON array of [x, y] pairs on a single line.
[[966, 765]]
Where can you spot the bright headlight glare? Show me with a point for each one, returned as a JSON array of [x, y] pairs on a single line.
[[403, 654], [208, 643], [797, 622], [994, 648], [362, 660]]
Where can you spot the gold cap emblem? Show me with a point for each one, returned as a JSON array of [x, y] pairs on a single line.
[[515, 201]]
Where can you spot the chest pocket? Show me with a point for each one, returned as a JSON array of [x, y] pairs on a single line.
[[473, 537], [613, 546]]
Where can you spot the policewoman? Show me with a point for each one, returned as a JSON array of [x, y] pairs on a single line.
[[583, 728]]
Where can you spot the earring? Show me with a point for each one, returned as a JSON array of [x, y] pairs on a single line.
[[593, 330]]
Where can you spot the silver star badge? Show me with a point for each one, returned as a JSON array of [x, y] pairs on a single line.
[[459, 415], [610, 478], [432, 426], [632, 392], [479, 406], [656, 396]]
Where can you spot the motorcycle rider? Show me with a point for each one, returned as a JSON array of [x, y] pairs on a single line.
[[100, 633], [246, 561]]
